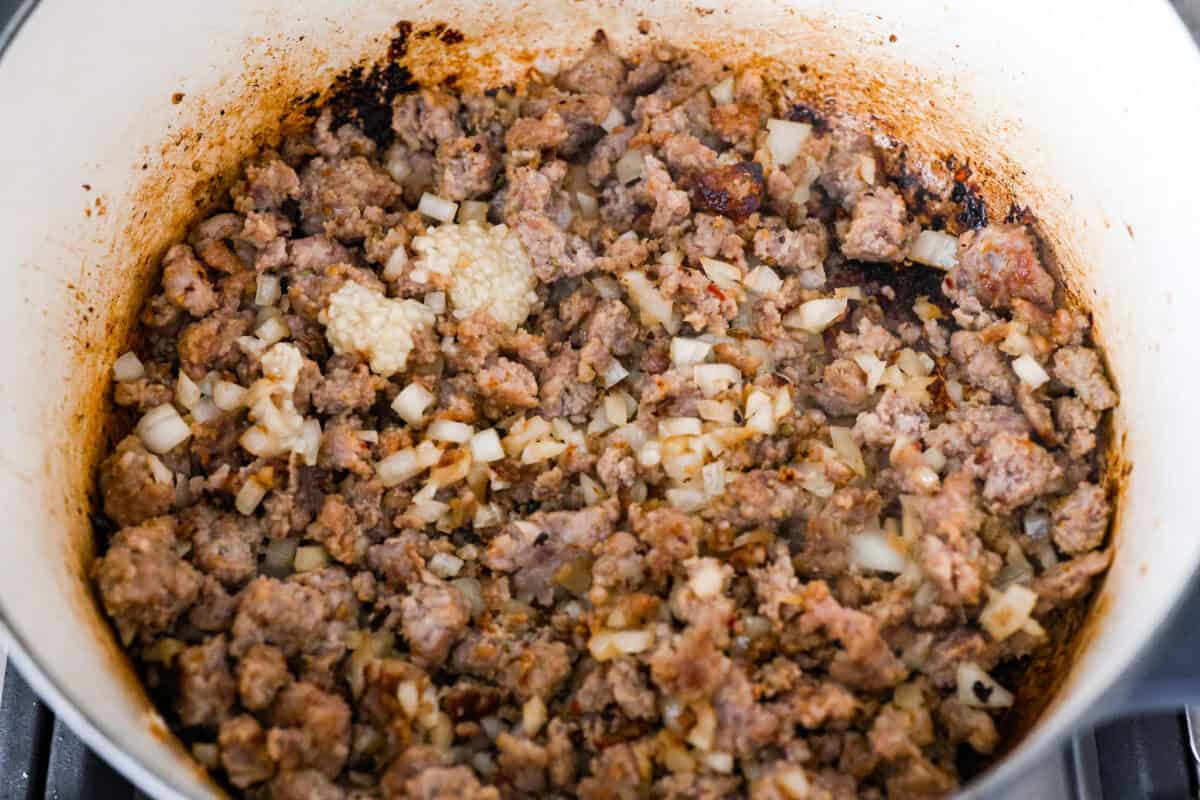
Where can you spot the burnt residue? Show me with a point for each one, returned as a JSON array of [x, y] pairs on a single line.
[[973, 213], [1019, 215], [364, 98], [440, 31], [802, 112], [907, 283], [734, 191]]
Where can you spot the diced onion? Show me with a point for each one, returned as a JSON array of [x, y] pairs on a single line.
[[473, 211], [871, 550], [589, 207], [764, 280], [872, 366], [592, 491], [266, 289], [723, 274], [715, 378], [722, 93], [187, 393], [614, 373], [485, 446], [718, 762], [914, 364], [398, 467], [847, 449], [524, 431], [935, 458], [614, 120], [445, 565], [678, 426], [654, 307], [629, 167], [411, 403], [447, 430], [542, 451], [794, 784], [713, 476], [1029, 371], [615, 410], [816, 315], [686, 498], [650, 454], [159, 470], [128, 367], [438, 208], [227, 396], [161, 429], [716, 410], [849, 292], [396, 263], [205, 410], [685, 352], [533, 716], [1007, 612], [607, 645], [436, 302], [279, 556], [785, 140], [760, 413], [935, 249], [273, 330], [704, 731], [978, 689], [249, 496], [309, 558], [1017, 343]]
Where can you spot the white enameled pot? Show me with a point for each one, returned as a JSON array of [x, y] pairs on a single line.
[[118, 119]]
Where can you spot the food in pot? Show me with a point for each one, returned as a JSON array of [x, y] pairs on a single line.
[[637, 433]]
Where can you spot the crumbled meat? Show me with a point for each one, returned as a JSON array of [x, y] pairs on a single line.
[[185, 282], [1015, 471], [793, 250], [1077, 425], [983, 364], [843, 389], [284, 614], [243, 748], [144, 583], [895, 416], [997, 265], [658, 585], [466, 168], [206, 687], [131, 491], [434, 617], [1080, 369], [311, 729], [1080, 519], [879, 229], [262, 672], [1068, 581]]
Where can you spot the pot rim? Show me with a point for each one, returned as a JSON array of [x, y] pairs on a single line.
[[1000, 776]]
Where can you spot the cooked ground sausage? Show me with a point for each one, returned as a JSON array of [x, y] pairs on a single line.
[[670, 485]]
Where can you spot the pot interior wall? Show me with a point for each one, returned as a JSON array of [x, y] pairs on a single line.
[[121, 121]]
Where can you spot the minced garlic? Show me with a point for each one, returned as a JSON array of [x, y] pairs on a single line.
[[364, 321], [487, 266]]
